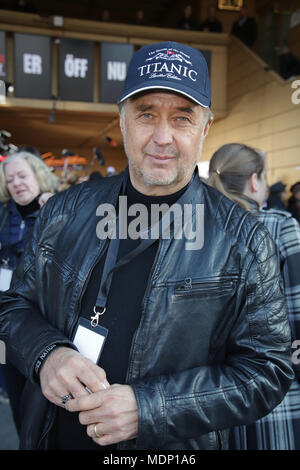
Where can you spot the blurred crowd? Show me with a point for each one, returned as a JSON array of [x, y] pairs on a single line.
[[26, 183]]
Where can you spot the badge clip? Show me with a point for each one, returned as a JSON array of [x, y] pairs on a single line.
[[95, 319]]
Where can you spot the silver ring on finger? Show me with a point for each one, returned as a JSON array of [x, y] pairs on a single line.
[[65, 398]]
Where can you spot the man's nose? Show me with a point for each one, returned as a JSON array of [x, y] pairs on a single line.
[[162, 133]]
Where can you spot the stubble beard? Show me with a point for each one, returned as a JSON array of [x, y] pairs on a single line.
[[169, 178]]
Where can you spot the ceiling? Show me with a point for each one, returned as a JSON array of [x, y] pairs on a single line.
[[156, 12], [74, 130]]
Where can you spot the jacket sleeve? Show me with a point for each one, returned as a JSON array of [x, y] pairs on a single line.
[[252, 379], [19, 307], [289, 240]]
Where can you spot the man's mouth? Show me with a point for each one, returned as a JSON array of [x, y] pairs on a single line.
[[162, 158]]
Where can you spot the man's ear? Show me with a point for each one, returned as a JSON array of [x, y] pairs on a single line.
[[122, 117], [253, 183], [207, 127], [121, 122]]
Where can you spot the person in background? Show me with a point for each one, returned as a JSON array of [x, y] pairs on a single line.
[[72, 178], [276, 198], [95, 176], [245, 28], [26, 183], [187, 21], [212, 23], [238, 171], [24, 6], [140, 18], [105, 16], [294, 201]]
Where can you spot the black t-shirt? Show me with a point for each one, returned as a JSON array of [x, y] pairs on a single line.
[[30, 208], [122, 317]]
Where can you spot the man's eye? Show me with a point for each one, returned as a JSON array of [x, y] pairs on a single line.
[[183, 118], [147, 115]]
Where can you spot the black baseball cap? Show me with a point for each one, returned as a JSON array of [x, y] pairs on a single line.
[[169, 66]]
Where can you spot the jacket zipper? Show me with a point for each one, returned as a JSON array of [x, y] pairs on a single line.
[[123, 445], [219, 440], [50, 424], [189, 286], [22, 227], [146, 295]]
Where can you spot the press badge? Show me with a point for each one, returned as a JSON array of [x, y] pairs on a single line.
[[89, 340], [5, 277]]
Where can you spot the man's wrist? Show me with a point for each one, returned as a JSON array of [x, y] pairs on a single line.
[[42, 358]]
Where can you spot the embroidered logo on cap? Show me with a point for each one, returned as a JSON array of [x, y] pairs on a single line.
[[169, 66], [161, 65]]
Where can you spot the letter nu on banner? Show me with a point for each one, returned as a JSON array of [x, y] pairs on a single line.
[[116, 71]]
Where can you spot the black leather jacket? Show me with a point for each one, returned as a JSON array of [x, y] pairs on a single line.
[[212, 349]]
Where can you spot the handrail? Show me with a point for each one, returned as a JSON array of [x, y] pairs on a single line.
[[275, 75]]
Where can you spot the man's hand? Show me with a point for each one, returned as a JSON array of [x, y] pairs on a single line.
[[113, 411], [66, 371]]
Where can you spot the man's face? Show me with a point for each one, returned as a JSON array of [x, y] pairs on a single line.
[[163, 135]]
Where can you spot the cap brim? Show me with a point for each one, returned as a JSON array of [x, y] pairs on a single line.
[[198, 100]]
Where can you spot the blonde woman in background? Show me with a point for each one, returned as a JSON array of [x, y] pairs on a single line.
[[238, 171], [26, 183]]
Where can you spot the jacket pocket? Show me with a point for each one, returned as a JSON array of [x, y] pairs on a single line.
[[190, 288], [65, 271]]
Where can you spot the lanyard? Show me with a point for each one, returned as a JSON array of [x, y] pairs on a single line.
[[110, 267], [111, 264]]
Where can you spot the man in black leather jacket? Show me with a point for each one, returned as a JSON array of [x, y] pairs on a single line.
[[198, 340]]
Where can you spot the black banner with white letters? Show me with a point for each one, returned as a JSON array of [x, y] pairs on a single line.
[[114, 64], [76, 65], [2, 55], [32, 66]]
